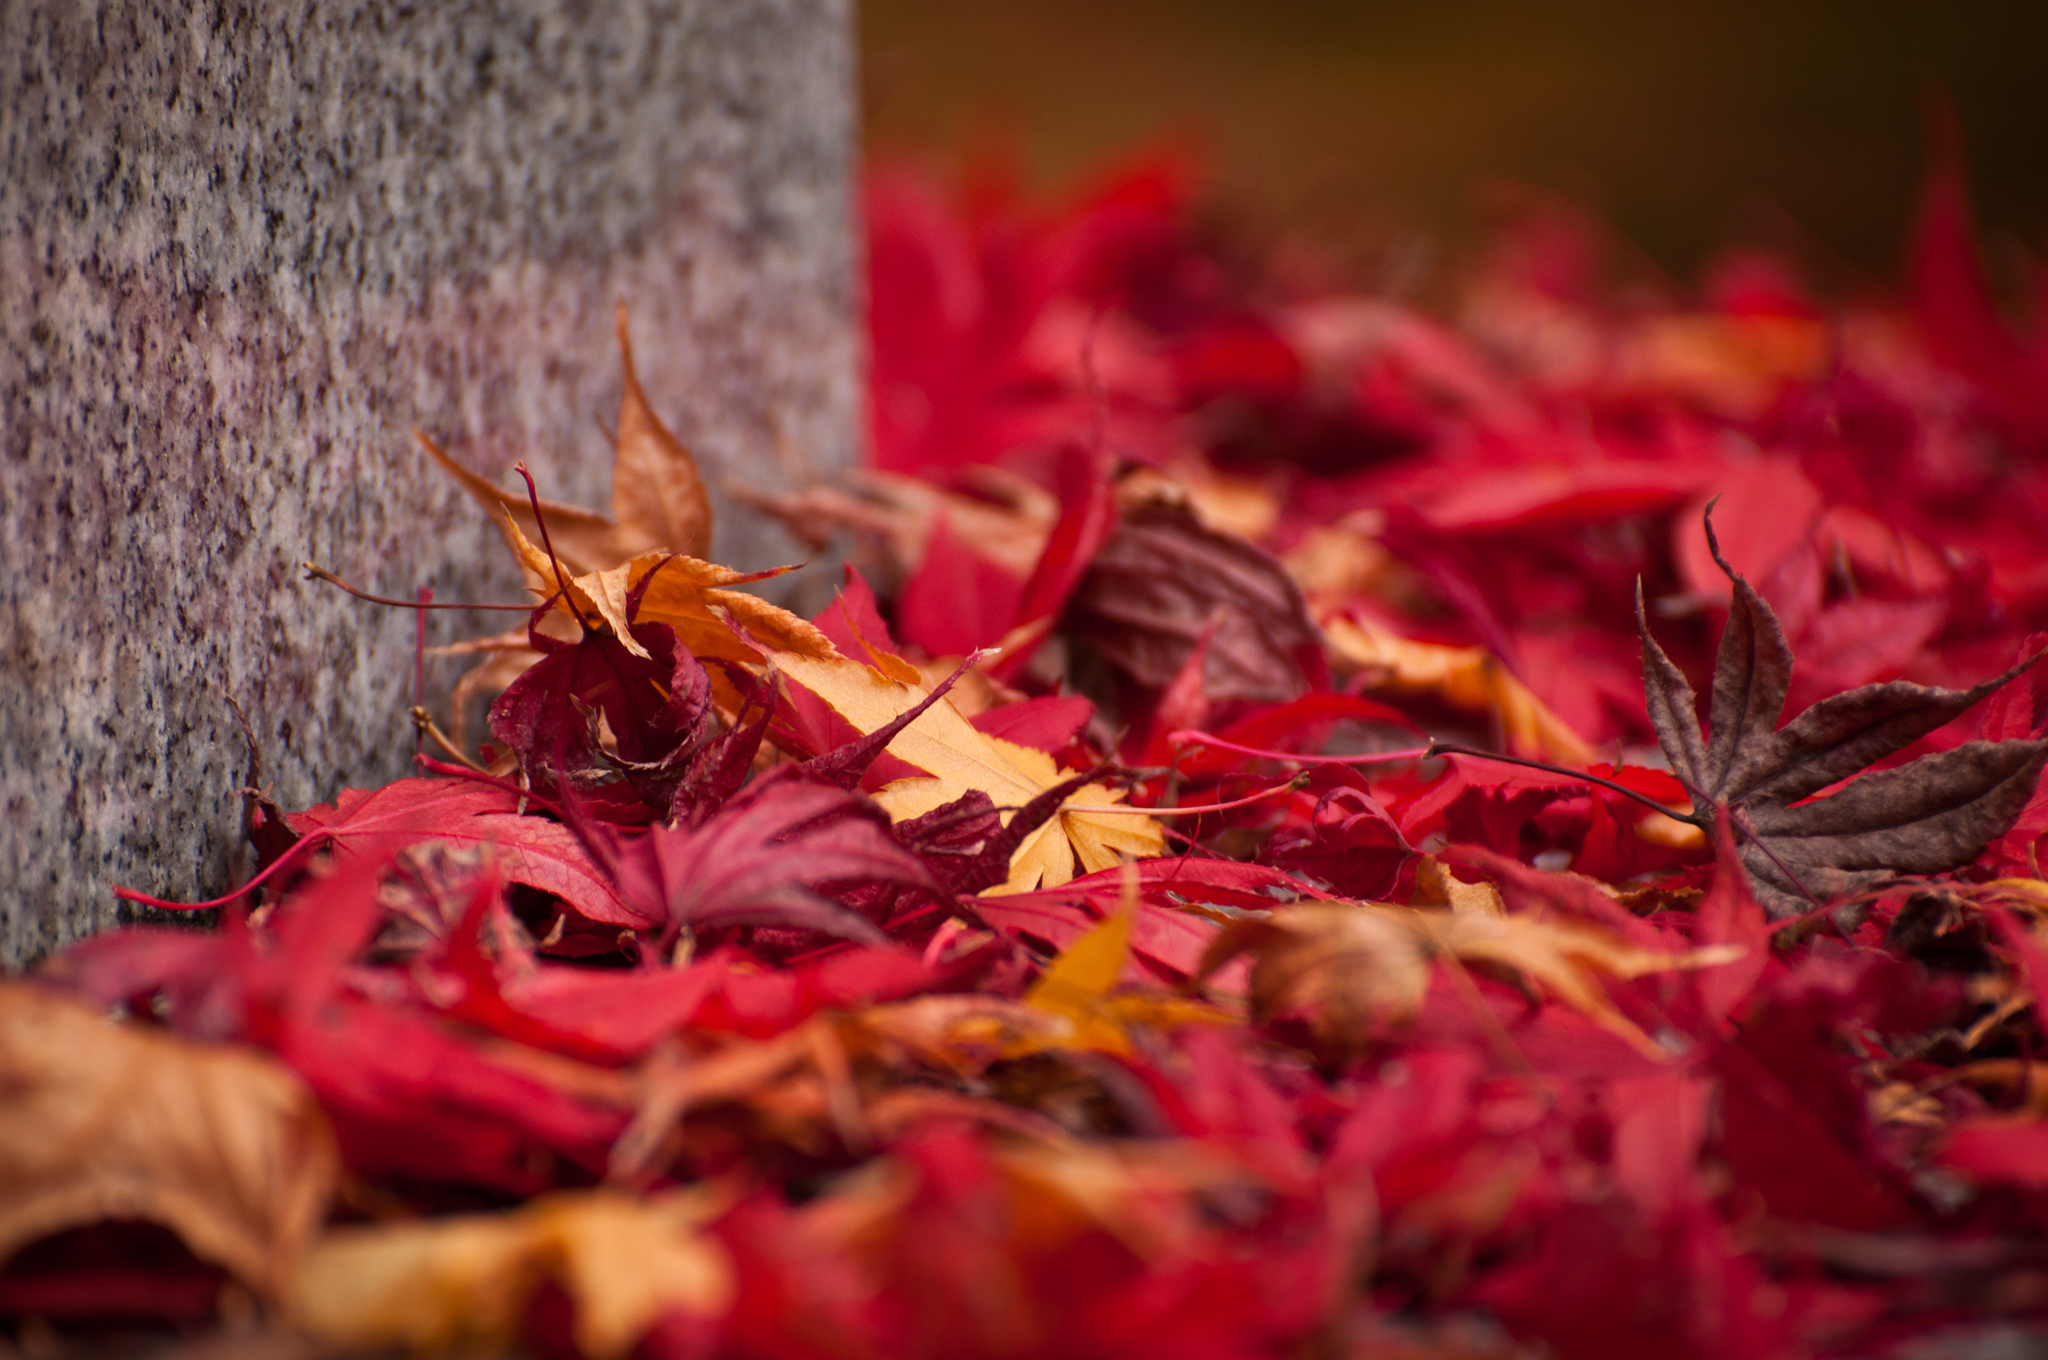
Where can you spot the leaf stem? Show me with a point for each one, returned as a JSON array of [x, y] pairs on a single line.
[[318, 573], [424, 726], [1189, 737], [1126, 810], [310, 839], [486, 777], [1444, 748]]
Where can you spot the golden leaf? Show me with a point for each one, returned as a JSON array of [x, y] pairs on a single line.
[[465, 1282], [961, 759], [1353, 970], [103, 1121], [1568, 958], [1434, 887], [1464, 677], [688, 595]]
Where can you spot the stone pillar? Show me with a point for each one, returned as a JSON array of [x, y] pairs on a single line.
[[244, 248]]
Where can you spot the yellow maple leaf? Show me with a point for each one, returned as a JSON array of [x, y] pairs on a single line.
[[1075, 985], [961, 759], [1079, 987]]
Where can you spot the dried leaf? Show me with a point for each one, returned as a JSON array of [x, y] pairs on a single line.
[[104, 1121], [658, 499], [466, 1282], [654, 697], [1353, 971], [1160, 580], [686, 594], [1470, 678], [1933, 815]]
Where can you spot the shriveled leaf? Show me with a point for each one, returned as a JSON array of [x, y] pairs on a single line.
[[1349, 972], [109, 1122], [1435, 887], [1932, 815], [1470, 678], [466, 1282], [658, 499], [688, 595], [654, 697], [1159, 581], [1354, 971], [960, 760]]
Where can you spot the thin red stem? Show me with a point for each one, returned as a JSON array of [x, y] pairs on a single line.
[[1447, 749], [307, 841], [1276, 791], [1187, 736], [458, 772]]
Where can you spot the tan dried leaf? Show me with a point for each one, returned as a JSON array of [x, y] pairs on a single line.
[[1470, 678], [1435, 887], [658, 500], [465, 1282], [1351, 971], [106, 1121]]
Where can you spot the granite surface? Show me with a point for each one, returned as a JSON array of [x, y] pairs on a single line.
[[243, 249]]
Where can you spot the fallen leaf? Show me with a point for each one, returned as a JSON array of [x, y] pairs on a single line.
[[109, 1122], [684, 593], [1930, 816], [1471, 678], [1079, 989], [1074, 985], [467, 1282], [658, 498], [653, 697], [770, 856], [1157, 584], [470, 816], [961, 760], [1355, 971]]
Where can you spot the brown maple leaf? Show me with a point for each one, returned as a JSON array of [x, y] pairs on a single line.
[[658, 498], [1930, 816], [1161, 580]]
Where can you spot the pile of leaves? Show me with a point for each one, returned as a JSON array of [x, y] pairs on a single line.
[[1241, 868]]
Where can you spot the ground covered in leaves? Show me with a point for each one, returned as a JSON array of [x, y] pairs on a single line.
[[1301, 834]]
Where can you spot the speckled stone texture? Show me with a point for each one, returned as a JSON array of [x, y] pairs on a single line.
[[243, 249]]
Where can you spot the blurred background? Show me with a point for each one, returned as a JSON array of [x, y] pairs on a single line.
[[1372, 138]]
